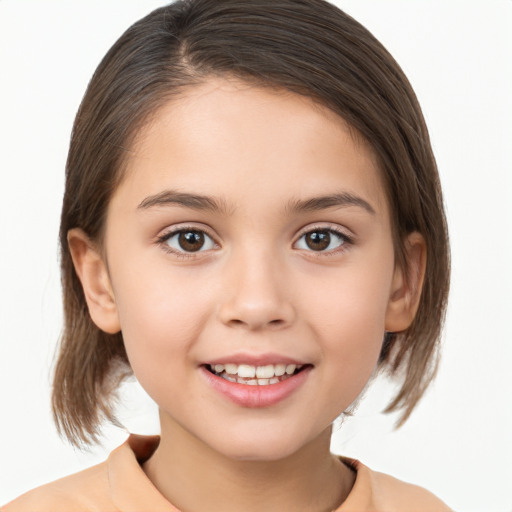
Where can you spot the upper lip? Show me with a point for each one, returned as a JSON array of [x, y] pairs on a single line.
[[255, 359]]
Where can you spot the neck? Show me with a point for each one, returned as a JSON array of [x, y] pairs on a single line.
[[194, 477]]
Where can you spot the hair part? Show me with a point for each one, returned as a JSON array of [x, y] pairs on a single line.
[[309, 47]]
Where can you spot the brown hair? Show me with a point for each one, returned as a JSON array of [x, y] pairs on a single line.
[[309, 47]]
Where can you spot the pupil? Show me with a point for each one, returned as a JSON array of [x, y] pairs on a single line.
[[191, 241], [318, 240]]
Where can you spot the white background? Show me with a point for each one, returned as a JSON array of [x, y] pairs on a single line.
[[458, 56]]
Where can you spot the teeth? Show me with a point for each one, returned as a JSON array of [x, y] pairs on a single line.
[[263, 375], [247, 371], [265, 372], [232, 369], [290, 368], [279, 370]]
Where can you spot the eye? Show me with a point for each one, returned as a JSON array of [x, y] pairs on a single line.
[[188, 240], [321, 240]]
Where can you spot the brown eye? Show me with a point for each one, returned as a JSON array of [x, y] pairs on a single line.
[[318, 240], [321, 240], [189, 240]]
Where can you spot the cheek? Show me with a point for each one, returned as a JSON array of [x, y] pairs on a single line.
[[161, 316], [351, 302], [348, 315]]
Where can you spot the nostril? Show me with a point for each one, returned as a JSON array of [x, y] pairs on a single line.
[[236, 322]]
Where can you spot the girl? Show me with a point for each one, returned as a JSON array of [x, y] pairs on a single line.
[[252, 225]]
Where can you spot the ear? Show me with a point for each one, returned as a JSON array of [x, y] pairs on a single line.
[[93, 274], [407, 285]]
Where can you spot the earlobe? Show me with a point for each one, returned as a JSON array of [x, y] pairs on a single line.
[[93, 274], [407, 285]]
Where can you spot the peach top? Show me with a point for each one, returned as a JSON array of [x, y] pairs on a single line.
[[119, 484]]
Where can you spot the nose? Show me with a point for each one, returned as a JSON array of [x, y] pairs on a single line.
[[255, 294]]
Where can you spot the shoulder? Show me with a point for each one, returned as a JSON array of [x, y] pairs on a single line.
[[117, 484], [380, 492], [403, 496], [87, 490]]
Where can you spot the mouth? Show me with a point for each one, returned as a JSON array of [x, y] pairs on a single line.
[[256, 385], [251, 375]]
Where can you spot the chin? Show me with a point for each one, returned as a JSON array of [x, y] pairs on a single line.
[[260, 454], [260, 448]]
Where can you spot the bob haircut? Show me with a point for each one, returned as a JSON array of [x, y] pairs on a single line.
[[309, 47]]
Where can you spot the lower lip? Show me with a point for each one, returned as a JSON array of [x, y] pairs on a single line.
[[256, 396]]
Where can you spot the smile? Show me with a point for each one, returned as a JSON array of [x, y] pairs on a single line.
[[256, 386], [255, 375]]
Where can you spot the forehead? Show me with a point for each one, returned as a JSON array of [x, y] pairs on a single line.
[[231, 139]]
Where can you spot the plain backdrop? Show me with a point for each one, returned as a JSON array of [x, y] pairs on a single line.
[[458, 56]]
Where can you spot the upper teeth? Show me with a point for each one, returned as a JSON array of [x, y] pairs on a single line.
[[261, 372]]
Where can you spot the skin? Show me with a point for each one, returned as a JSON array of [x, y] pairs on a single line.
[[254, 288]]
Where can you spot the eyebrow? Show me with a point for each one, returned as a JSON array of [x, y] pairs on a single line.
[[207, 203], [194, 201], [343, 199]]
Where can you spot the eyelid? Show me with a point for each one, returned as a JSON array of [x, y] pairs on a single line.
[[327, 226], [173, 230], [344, 233]]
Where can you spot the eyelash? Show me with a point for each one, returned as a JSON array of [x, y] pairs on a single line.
[[345, 240], [164, 239]]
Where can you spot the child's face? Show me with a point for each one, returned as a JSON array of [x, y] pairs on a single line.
[[251, 228]]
